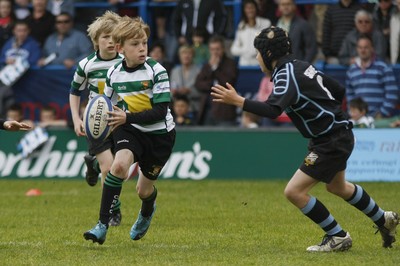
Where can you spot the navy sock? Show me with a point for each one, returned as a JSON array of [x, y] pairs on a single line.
[[148, 204]]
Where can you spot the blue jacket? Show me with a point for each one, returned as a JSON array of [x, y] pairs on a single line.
[[29, 50]]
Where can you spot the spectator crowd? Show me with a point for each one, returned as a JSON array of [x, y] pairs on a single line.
[[200, 46]]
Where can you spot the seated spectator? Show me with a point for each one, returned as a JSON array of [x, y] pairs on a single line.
[[56, 7], [372, 80], [364, 25], [21, 9], [302, 35], [338, 21], [358, 110], [249, 26], [201, 53], [48, 118], [264, 91], [68, 45], [249, 120], [157, 52], [41, 21], [7, 18], [181, 111], [16, 113], [395, 35], [381, 14], [220, 69], [21, 46], [183, 77]]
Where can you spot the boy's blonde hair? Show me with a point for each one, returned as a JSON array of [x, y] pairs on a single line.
[[104, 24], [130, 28]]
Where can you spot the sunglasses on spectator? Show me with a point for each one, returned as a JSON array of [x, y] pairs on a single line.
[[363, 21], [63, 21]]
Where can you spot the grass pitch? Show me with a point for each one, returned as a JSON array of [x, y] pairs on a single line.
[[196, 223]]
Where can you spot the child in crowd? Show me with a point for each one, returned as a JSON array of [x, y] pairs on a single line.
[[201, 52], [358, 110], [181, 110], [91, 74]]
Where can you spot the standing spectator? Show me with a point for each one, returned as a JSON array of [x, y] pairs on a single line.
[[56, 7], [21, 46], [131, 11], [372, 80], [395, 35], [302, 35], [41, 21], [7, 18], [382, 13], [358, 110], [161, 15], [364, 25], [248, 27], [68, 45], [220, 69], [338, 21], [183, 77], [21, 9], [207, 14], [268, 9]]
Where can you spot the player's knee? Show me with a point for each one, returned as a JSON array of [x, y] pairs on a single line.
[[290, 193], [144, 192], [333, 189], [119, 169]]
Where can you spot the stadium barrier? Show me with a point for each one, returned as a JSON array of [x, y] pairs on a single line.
[[50, 86], [210, 153]]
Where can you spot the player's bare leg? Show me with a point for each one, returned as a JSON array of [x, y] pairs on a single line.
[[296, 191]]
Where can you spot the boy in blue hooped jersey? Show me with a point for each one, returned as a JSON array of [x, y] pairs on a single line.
[[144, 130], [313, 101]]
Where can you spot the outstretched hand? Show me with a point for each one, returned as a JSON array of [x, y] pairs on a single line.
[[15, 126], [117, 117], [226, 95]]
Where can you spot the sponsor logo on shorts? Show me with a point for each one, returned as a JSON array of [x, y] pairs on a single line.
[[122, 140], [156, 170], [311, 158]]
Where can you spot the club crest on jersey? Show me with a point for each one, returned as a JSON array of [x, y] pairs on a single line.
[[145, 84], [310, 159]]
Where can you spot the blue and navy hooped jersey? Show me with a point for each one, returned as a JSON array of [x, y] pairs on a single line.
[[311, 99]]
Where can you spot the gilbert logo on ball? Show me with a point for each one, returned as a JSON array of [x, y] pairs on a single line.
[[95, 118]]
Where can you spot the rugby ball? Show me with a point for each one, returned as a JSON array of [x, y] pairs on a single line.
[[95, 118]]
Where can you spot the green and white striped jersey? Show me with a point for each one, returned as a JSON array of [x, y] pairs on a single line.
[[139, 90], [91, 73]]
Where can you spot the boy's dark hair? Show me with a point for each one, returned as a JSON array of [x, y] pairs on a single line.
[[366, 37], [15, 107], [157, 44], [181, 97], [272, 43], [202, 32], [359, 104], [217, 39]]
